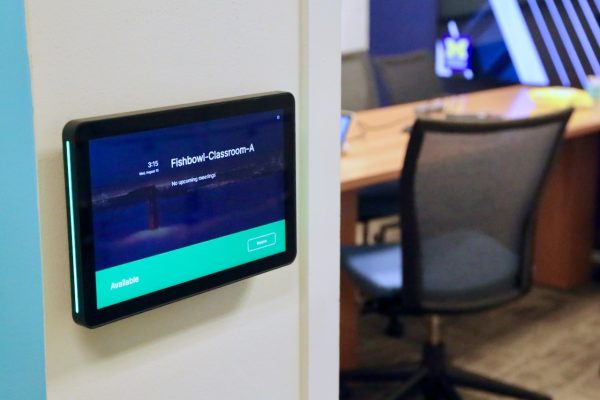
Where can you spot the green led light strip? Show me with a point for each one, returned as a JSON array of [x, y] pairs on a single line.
[[72, 222]]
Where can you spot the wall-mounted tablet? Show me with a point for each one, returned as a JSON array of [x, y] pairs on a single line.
[[163, 204]]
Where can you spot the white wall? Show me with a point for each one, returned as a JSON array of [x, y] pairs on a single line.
[[244, 341], [320, 198], [355, 25]]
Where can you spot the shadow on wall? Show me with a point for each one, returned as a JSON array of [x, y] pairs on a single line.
[[148, 327]]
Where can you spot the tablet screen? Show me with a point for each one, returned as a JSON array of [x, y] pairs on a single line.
[[175, 204]]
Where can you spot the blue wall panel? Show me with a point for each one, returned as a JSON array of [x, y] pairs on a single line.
[[400, 26], [22, 373]]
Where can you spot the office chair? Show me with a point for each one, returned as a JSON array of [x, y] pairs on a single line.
[[359, 93], [402, 78], [469, 194], [358, 85], [407, 77]]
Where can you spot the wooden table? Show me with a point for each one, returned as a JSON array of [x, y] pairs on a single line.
[[377, 142]]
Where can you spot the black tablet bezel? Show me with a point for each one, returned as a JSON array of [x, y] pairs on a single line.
[[80, 230]]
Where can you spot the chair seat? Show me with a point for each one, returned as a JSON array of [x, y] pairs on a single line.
[[377, 269]]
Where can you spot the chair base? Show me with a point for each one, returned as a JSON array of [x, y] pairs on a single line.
[[437, 380], [379, 237], [395, 327]]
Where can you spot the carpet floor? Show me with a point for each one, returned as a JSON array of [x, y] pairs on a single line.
[[548, 341]]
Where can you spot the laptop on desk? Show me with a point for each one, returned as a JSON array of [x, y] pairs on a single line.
[[345, 122]]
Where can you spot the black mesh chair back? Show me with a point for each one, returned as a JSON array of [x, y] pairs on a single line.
[[469, 194], [358, 85], [408, 77]]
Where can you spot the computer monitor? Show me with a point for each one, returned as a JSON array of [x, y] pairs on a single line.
[[534, 42]]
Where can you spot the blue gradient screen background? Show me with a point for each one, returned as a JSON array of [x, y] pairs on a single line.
[[139, 212]]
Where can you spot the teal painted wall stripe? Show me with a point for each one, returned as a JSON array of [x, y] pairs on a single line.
[[22, 369]]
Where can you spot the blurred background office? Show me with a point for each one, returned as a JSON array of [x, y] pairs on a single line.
[[397, 53]]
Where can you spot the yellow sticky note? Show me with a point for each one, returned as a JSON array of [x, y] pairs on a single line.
[[561, 97]]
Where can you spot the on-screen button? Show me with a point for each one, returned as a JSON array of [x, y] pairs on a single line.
[[260, 242]]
